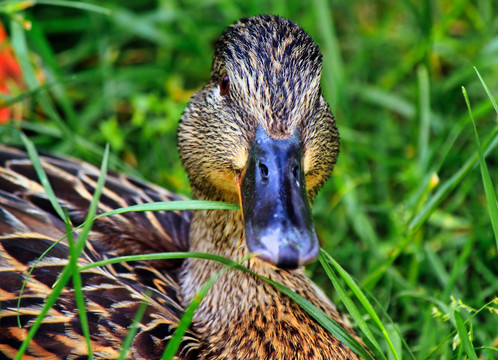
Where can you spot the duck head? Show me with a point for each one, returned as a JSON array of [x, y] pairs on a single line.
[[260, 133]]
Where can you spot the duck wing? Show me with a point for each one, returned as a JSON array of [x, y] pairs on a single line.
[[113, 293]]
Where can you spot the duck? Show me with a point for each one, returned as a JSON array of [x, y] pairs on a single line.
[[258, 134]]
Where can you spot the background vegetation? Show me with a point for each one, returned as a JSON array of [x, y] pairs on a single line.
[[404, 213]]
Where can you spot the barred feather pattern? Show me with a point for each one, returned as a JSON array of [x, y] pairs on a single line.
[[113, 294]]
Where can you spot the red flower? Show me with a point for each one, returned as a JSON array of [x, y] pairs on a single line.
[[10, 74]]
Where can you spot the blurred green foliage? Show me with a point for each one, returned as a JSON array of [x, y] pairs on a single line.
[[393, 72]]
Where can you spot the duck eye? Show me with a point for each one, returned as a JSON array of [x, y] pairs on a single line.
[[224, 85]]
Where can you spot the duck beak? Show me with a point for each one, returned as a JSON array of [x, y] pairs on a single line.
[[277, 214]]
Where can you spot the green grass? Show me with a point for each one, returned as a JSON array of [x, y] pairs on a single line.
[[405, 212]]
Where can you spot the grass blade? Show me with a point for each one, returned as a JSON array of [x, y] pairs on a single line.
[[329, 324], [362, 298], [486, 178], [186, 320], [491, 98], [352, 309], [161, 256], [76, 249], [78, 292], [464, 336], [76, 5], [130, 335], [13, 5], [424, 130], [430, 354], [75, 253], [396, 339], [51, 299], [174, 205], [42, 176], [334, 72]]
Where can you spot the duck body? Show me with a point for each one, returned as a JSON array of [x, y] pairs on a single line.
[[262, 97], [29, 226]]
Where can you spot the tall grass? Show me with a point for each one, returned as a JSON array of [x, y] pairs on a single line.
[[405, 212]]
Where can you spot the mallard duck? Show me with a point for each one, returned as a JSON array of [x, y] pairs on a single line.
[[258, 134]]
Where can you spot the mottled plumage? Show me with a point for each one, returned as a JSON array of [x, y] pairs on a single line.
[[273, 71]]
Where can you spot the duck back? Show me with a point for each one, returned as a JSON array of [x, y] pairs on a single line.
[[113, 293]]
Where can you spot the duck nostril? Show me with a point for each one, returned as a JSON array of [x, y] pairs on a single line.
[[295, 172], [263, 169]]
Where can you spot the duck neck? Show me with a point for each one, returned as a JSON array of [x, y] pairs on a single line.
[[218, 232], [221, 232]]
